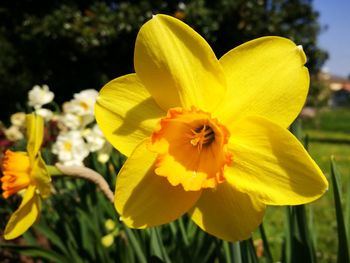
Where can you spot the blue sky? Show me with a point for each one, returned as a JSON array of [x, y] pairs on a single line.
[[336, 39]]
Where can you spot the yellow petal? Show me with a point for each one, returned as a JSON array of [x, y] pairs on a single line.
[[126, 113], [41, 177], [35, 134], [227, 214], [265, 77], [177, 65], [25, 216], [144, 199], [271, 164]]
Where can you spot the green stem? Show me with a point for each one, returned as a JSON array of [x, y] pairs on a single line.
[[53, 170]]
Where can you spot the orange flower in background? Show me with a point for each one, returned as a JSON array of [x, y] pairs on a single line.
[[16, 173], [206, 136], [26, 171]]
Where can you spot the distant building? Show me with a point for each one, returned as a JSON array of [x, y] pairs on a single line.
[[340, 88]]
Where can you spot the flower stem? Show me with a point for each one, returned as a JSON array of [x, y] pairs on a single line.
[[84, 173], [53, 171]]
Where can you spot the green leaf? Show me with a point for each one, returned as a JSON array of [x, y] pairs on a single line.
[[347, 217], [244, 252], [183, 231], [343, 250], [251, 251], [208, 251], [298, 243], [72, 245], [37, 252], [155, 247], [136, 245], [29, 238], [52, 236], [236, 252], [87, 238], [287, 246], [227, 252], [158, 246], [267, 251]]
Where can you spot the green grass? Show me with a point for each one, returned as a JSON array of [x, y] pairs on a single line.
[[321, 153], [336, 120]]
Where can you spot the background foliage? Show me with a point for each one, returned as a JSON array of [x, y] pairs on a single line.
[[79, 44]]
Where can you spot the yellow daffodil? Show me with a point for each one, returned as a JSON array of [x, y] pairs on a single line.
[[26, 171], [206, 136]]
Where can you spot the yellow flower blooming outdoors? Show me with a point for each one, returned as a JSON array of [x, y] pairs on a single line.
[[206, 136], [26, 171]]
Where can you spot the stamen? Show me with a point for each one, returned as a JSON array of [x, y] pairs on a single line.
[[203, 135]]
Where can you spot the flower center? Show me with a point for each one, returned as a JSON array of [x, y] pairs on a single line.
[[84, 105], [191, 148], [16, 172], [67, 146], [203, 135]]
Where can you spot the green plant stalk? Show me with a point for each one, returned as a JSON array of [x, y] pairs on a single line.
[[347, 217], [343, 250], [227, 252], [236, 252], [53, 170], [136, 245], [267, 251]]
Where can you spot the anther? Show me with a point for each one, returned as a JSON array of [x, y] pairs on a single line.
[[203, 135]]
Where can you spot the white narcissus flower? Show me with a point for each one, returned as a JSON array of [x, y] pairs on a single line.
[[70, 148], [39, 96], [83, 102], [98, 143], [13, 133], [94, 138], [71, 121], [82, 106], [18, 119], [45, 113]]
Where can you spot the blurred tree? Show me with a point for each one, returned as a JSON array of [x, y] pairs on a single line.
[[228, 23], [78, 44]]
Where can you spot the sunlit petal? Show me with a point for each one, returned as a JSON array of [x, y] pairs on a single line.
[[35, 134], [265, 77], [271, 164], [144, 199], [177, 65], [41, 177], [25, 216], [126, 113], [226, 213]]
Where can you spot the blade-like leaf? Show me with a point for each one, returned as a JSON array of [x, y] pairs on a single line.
[[347, 218], [227, 252], [236, 252], [159, 245], [52, 236], [136, 245], [267, 251], [183, 231], [37, 252], [251, 251], [343, 250]]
